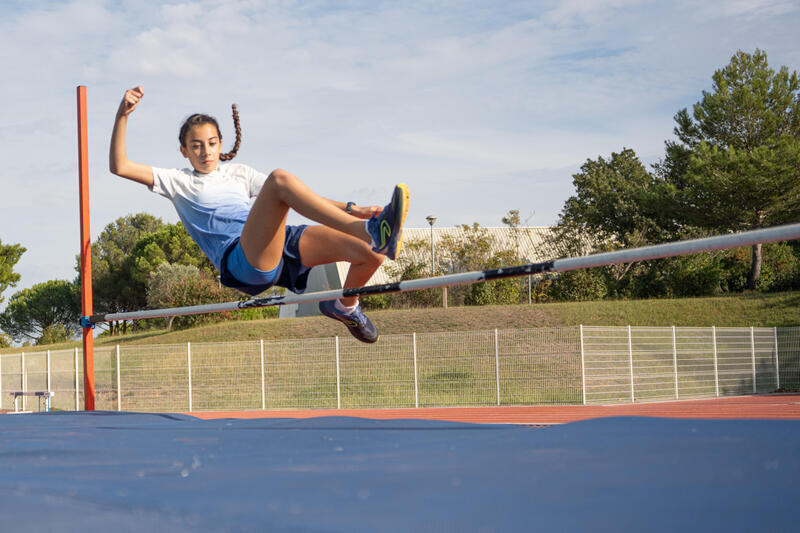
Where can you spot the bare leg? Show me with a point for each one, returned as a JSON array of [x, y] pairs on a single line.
[[320, 245], [263, 233]]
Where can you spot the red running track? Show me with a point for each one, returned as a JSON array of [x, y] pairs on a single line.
[[770, 406]]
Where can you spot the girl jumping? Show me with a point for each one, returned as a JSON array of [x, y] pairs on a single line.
[[237, 216]]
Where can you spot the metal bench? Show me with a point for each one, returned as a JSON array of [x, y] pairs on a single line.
[[39, 394]]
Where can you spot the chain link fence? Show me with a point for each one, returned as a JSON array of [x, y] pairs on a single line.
[[538, 366]]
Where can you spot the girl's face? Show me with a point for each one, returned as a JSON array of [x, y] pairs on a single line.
[[202, 148]]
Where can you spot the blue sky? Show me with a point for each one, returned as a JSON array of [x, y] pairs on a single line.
[[480, 106]]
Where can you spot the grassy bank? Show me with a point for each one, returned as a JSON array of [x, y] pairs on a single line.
[[781, 309]]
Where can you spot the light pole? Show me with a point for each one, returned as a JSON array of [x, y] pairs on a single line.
[[431, 219]]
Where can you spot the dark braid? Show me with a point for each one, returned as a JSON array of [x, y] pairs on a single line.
[[230, 155], [199, 119]]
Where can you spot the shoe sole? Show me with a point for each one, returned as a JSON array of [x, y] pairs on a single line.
[[401, 194], [351, 328]]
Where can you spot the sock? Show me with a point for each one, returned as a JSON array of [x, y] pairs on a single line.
[[343, 308]]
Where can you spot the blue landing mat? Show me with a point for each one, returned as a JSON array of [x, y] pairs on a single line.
[[156, 472]]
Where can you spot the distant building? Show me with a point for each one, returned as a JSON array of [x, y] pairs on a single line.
[[530, 239]]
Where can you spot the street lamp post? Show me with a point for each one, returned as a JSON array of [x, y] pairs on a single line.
[[431, 219]]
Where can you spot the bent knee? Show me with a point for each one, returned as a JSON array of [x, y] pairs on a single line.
[[372, 259], [280, 177]]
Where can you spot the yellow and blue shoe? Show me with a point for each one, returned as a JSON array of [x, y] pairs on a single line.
[[356, 321], [386, 229]]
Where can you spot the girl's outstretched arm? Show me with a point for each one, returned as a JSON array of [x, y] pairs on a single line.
[[118, 161]]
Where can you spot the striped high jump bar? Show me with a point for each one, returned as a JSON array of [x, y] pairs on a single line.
[[707, 244]]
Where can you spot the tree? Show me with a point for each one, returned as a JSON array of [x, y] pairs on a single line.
[[168, 244], [618, 203], [33, 312], [472, 250], [54, 333], [736, 164], [161, 282], [9, 255], [199, 289], [110, 277], [617, 199]]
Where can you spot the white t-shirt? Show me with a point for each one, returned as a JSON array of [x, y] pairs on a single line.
[[213, 207]]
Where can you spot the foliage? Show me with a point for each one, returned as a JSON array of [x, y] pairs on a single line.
[[736, 189], [54, 333], [110, 276], [30, 312], [163, 279], [161, 282], [472, 249], [128, 250], [170, 285], [578, 286], [405, 268], [735, 166], [617, 199], [198, 289], [5, 340], [170, 244], [618, 203], [9, 255]]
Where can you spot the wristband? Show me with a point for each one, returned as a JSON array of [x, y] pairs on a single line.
[[349, 208]]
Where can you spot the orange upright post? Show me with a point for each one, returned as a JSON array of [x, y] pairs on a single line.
[[86, 252]]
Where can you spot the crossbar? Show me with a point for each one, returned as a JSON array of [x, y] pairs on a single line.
[[706, 244]]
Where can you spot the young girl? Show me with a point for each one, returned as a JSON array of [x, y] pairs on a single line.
[[237, 216]]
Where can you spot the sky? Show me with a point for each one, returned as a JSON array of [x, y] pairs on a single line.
[[479, 106]]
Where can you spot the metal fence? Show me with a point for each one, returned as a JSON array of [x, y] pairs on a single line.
[[566, 365]]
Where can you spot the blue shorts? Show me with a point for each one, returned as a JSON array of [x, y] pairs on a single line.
[[241, 269], [236, 272]]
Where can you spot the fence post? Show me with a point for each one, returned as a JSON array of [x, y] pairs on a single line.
[[583, 367], [675, 360], [189, 368], [22, 376], [416, 378], [263, 391], [716, 366], [777, 365], [77, 394], [338, 386], [530, 299], [497, 364], [48, 370], [753, 353], [119, 389], [630, 355]]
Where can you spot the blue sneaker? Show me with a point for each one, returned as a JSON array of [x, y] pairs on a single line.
[[357, 322], [386, 229]]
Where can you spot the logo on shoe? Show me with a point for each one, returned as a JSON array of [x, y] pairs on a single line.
[[385, 232], [350, 323]]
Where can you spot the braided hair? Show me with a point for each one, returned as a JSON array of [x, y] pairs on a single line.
[[199, 119]]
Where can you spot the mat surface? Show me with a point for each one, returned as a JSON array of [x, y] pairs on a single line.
[[156, 472]]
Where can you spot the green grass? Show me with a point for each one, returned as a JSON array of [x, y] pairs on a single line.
[[303, 375], [755, 309]]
